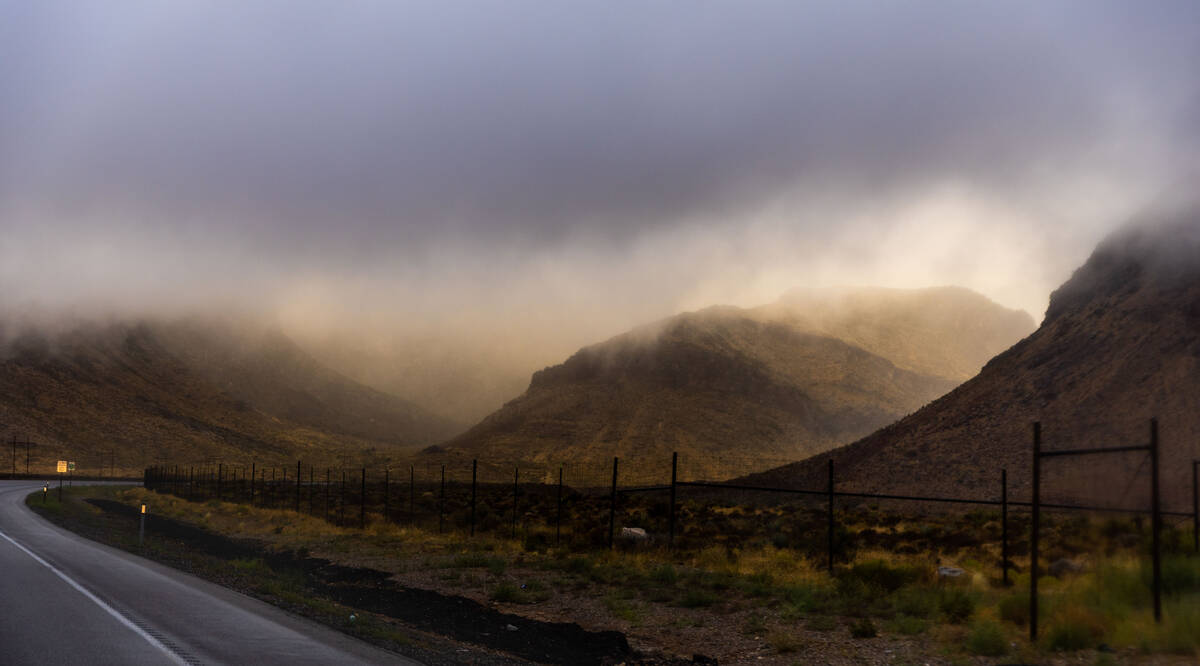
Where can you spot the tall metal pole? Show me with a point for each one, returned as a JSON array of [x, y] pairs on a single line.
[[1195, 506], [516, 473], [474, 477], [1035, 528], [612, 506], [671, 513], [558, 514], [1155, 520], [1004, 525]]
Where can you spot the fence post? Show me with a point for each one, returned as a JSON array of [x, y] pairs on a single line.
[[220, 473], [474, 476], [412, 492], [1195, 507], [442, 505], [1036, 522], [327, 481], [1004, 526], [298, 477], [558, 514], [829, 527], [516, 473], [342, 500], [387, 473], [362, 502], [612, 506], [312, 489], [671, 513], [1155, 520]]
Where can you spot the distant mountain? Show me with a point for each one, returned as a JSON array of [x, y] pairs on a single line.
[[731, 382], [941, 331], [191, 391], [1120, 344]]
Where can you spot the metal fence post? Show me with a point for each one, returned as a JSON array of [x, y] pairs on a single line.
[[1004, 526], [1155, 520], [342, 500], [298, 477], [558, 513], [516, 473], [362, 502], [327, 481], [412, 492], [474, 476], [612, 506], [220, 474], [442, 505], [671, 512], [1195, 506], [387, 473], [312, 490], [829, 527], [1034, 528]]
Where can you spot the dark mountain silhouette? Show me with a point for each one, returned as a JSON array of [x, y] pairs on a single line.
[[1120, 344], [722, 381], [191, 391]]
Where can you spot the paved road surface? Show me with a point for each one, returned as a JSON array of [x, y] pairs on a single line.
[[67, 600]]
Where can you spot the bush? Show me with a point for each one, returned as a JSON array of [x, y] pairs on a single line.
[[863, 628], [1015, 608], [664, 574], [506, 592], [916, 602], [697, 598], [957, 605], [908, 625], [882, 577], [1075, 628], [987, 640], [784, 641]]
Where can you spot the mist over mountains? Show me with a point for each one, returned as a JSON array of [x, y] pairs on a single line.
[[1120, 345], [778, 381], [192, 391]]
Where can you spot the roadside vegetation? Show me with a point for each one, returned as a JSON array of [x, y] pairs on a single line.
[[766, 597]]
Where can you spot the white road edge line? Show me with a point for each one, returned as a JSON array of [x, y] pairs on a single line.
[[100, 602]]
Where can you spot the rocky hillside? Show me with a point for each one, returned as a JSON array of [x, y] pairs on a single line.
[[190, 392], [763, 383], [1120, 344]]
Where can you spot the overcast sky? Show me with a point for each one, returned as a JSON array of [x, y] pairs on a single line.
[[573, 166]]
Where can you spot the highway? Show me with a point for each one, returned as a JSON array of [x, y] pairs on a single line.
[[67, 600]]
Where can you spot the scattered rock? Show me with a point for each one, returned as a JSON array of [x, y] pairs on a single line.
[[510, 627], [634, 535], [950, 573], [1062, 567]]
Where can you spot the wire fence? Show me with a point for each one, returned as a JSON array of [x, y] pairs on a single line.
[[674, 501]]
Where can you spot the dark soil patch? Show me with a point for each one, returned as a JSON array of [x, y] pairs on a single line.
[[372, 590]]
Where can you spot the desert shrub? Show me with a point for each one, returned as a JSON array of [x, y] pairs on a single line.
[[1074, 628], [506, 592], [664, 574], [957, 604], [754, 624], [916, 601], [986, 639], [863, 628], [784, 641], [1180, 574], [881, 577], [908, 625], [1015, 608], [697, 598]]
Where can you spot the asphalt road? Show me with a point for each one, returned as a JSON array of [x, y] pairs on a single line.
[[67, 600]]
